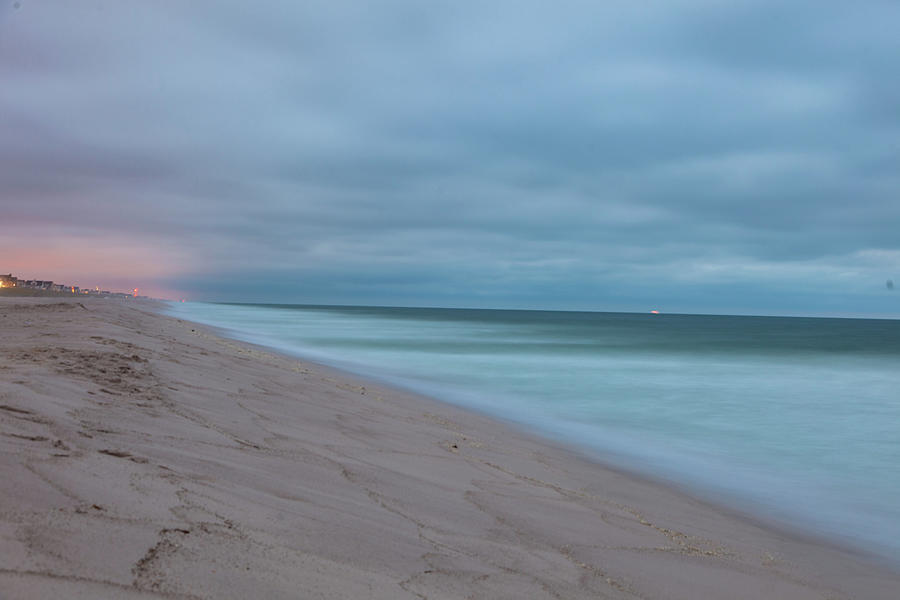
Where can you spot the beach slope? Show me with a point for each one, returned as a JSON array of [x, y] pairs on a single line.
[[142, 456]]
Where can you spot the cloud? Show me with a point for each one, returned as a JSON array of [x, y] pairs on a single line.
[[504, 154]]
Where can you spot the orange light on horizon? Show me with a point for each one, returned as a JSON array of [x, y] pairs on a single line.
[[654, 312]]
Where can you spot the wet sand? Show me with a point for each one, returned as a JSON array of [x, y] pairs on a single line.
[[142, 456]]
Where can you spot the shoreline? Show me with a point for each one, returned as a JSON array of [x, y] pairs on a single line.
[[223, 468], [753, 512]]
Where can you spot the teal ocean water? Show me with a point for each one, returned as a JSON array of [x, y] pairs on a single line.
[[797, 419]]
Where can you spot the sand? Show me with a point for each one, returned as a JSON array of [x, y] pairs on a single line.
[[146, 457]]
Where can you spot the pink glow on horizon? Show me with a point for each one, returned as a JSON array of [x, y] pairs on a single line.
[[114, 263]]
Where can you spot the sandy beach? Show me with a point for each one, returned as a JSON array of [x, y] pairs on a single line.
[[146, 457]]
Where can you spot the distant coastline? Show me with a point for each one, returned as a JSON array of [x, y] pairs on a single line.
[[12, 285], [17, 292]]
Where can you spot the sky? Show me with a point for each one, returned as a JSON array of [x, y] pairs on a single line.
[[696, 156]]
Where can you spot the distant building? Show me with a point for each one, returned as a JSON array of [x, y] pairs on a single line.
[[9, 280]]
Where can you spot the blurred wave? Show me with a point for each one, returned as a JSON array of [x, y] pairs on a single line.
[[794, 418]]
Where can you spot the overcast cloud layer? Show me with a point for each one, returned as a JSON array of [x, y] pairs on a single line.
[[693, 156]]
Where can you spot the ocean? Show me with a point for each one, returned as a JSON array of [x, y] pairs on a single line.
[[794, 419]]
